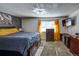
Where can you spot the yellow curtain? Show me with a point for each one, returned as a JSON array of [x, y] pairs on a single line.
[[56, 30], [39, 25]]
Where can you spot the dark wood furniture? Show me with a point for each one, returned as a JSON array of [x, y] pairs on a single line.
[[74, 46], [72, 42], [49, 34], [63, 22], [65, 39]]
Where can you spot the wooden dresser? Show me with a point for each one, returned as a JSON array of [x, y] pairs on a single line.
[[49, 34], [71, 42], [74, 45]]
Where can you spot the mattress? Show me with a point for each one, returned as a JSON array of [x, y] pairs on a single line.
[[19, 41]]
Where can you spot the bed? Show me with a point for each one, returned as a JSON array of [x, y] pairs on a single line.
[[18, 42]]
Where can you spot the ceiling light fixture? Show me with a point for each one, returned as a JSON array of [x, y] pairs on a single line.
[[38, 10]]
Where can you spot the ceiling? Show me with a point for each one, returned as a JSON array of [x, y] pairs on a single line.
[[25, 9]]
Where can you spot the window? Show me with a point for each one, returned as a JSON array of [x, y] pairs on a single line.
[[47, 25]]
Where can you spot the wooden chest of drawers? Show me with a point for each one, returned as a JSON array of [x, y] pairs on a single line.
[[74, 45], [49, 34]]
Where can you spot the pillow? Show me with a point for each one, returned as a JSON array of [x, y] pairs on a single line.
[[6, 31]]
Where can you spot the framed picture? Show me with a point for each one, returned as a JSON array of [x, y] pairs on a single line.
[[5, 19]]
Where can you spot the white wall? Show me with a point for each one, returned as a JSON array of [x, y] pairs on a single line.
[[74, 29], [30, 24], [62, 28]]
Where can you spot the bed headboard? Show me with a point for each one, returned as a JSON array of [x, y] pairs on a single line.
[[8, 30]]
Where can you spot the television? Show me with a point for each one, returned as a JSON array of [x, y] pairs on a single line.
[[73, 22], [70, 22]]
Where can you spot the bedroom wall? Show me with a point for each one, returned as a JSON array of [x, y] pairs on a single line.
[[62, 28], [71, 29], [30, 24], [74, 29]]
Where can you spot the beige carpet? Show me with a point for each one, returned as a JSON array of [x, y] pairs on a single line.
[[55, 49]]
